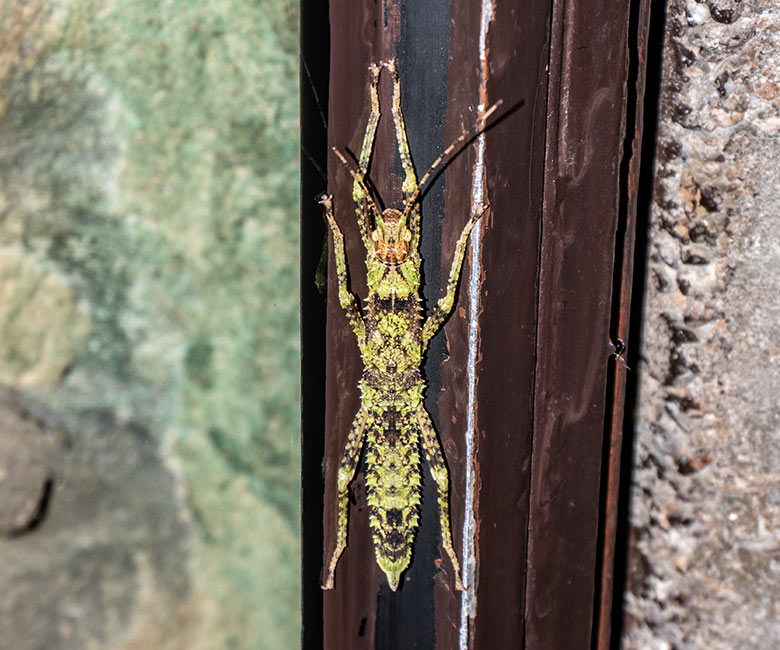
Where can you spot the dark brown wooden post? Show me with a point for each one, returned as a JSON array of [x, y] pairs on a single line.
[[584, 149], [517, 380]]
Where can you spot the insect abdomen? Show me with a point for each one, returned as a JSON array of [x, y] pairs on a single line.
[[393, 481]]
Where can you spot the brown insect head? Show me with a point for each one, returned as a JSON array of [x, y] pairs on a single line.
[[391, 237]]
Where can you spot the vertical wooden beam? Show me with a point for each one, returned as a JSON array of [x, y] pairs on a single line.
[[362, 611], [584, 149], [517, 43]]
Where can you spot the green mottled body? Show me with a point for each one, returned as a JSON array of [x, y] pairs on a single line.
[[392, 332], [392, 388]]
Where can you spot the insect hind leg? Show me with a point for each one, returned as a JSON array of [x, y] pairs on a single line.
[[346, 473], [435, 457]]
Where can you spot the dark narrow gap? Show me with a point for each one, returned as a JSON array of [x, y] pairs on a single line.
[[603, 489], [623, 249], [313, 76], [643, 197], [644, 203]]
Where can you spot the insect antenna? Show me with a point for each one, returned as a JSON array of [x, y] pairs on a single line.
[[361, 182], [465, 137], [321, 114], [314, 92], [314, 164]]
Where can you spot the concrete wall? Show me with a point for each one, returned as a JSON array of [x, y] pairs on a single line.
[[704, 568]]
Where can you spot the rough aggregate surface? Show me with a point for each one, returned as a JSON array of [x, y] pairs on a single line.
[[704, 558]]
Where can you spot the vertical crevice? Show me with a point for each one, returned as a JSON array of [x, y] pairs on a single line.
[[644, 203], [628, 179], [313, 80]]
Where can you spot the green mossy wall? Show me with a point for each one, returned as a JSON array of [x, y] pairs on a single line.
[[148, 302]]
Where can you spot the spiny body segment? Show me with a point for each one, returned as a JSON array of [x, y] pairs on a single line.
[[392, 424]]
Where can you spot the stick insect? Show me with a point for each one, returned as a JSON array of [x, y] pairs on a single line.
[[392, 424]]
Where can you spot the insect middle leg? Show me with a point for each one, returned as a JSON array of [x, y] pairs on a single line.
[[443, 308], [347, 469], [435, 457], [346, 297]]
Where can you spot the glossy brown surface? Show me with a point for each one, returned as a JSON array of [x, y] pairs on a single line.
[[584, 147]]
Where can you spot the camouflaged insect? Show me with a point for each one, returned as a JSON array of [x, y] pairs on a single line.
[[392, 334]]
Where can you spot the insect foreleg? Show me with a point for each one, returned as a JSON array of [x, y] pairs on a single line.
[[410, 178], [443, 308], [435, 457], [359, 189], [346, 299], [347, 469], [409, 186]]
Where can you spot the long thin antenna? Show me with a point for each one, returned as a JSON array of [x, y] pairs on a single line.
[[314, 92], [314, 164], [466, 136], [320, 110], [359, 180]]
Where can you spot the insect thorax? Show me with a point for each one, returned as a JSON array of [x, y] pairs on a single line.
[[392, 351], [386, 281]]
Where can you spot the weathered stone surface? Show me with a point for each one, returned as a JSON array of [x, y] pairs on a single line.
[[148, 302], [43, 327], [110, 555], [25, 475], [705, 544]]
